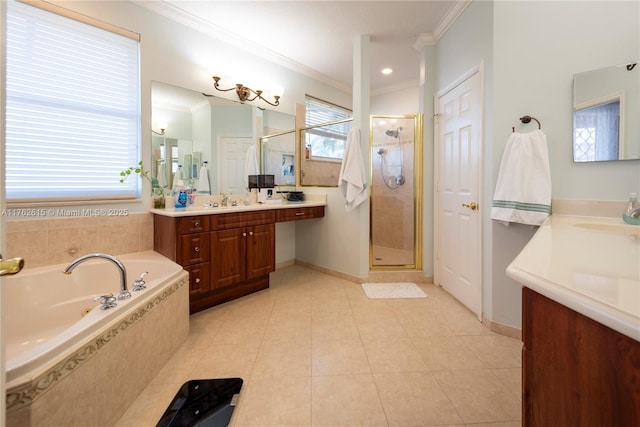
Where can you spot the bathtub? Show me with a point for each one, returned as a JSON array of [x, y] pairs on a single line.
[[52, 325]]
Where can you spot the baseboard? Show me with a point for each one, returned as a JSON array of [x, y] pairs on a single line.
[[502, 329]]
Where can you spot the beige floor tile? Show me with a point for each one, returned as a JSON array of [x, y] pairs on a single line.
[[291, 358], [265, 402], [338, 357], [249, 330], [225, 361], [378, 323], [496, 351], [346, 400], [393, 355], [446, 353], [512, 379], [336, 325], [148, 408], [478, 396], [414, 399], [288, 325]]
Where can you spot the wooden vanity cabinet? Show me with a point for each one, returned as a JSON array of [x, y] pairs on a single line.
[[576, 371], [299, 213], [242, 248]]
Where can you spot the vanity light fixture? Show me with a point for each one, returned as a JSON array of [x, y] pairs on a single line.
[[387, 71], [162, 131], [245, 93]]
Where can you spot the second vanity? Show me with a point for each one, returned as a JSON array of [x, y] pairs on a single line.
[[227, 251], [581, 322]]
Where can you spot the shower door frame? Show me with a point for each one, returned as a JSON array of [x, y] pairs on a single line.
[[417, 120]]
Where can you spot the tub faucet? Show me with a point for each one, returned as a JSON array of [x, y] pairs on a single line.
[[124, 292]]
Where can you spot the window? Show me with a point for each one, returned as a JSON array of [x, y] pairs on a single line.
[[325, 142], [72, 108]]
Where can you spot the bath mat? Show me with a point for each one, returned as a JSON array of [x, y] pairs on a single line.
[[392, 290]]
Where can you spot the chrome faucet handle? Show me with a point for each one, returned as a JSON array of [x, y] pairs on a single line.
[[107, 301], [139, 284]]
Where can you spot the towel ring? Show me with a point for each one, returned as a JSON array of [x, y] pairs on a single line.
[[525, 120]]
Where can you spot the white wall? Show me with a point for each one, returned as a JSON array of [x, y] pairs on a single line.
[[531, 49]]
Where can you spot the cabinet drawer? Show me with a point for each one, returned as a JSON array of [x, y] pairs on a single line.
[[295, 214], [198, 278], [193, 224], [242, 219], [194, 249]]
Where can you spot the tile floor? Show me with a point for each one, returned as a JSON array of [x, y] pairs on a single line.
[[313, 350]]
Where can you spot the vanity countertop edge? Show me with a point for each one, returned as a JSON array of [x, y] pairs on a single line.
[[312, 200], [604, 287]]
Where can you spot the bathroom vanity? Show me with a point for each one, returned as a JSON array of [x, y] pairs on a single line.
[[581, 322], [227, 251]]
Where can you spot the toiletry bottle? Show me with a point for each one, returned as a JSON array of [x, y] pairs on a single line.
[[633, 205]]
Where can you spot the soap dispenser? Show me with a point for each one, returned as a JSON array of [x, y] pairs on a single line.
[[632, 206]]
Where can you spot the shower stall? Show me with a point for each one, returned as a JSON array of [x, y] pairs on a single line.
[[396, 192]]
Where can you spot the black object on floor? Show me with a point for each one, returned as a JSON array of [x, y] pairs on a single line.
[[203, 403]]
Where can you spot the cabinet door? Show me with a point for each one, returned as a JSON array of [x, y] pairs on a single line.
[[228, 248], [261, 249]]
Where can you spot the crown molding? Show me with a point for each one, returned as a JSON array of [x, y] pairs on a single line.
[[394, 88], [200, 25], [450, 18]]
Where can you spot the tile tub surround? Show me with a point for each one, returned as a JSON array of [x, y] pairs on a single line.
[[313, 350], [53, 241], [96, 384]]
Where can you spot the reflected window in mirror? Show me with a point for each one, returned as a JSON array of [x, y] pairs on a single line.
[[596, 133], [606, 102], [326, 130]]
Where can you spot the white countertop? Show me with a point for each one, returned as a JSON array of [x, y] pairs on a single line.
[[311, 200], [591, 265]]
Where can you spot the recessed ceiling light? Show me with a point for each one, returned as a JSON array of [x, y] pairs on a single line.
[[387, 71]]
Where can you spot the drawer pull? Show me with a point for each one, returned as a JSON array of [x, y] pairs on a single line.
[[196, 224], [197, 249], [251, 233], [244, 234], [299, 213], [197, 280]]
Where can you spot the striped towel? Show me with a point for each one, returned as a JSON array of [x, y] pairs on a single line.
[[523, 189]]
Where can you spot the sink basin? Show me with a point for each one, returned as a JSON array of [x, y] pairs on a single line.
[[619, 229]]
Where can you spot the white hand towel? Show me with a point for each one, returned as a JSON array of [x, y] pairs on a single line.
[[353, 179], [162, 175], [523, 189], [203, 180], [250, 165]]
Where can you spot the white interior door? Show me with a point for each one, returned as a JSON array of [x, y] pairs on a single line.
[[458, 223], [232, 154]]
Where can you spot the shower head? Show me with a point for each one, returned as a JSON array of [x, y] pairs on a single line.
[[381, 151], [394, 133]]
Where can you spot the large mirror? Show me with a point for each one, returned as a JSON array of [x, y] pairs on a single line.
[[206, 138], [606, 105]]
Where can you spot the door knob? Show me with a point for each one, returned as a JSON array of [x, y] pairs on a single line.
[[473, 206]]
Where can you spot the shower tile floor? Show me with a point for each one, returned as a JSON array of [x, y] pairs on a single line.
[[383, 255], [313, 350]]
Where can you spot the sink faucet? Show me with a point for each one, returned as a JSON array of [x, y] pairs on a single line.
[[225, 199], [635, 214], [124, 293]]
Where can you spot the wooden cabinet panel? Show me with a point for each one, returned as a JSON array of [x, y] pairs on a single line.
[[244, 219], [198, 279], [228, 248], [194, 249], [576, 371], [296, 214], [261, 249]]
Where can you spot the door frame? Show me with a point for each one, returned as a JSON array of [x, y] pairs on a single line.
[[479, 69]]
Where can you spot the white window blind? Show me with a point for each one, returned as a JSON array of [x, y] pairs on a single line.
[[325, 141], [72, 108]]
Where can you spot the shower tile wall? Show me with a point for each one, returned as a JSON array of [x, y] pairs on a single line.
[[393, 210], [55, 241]]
